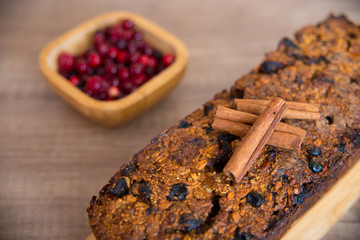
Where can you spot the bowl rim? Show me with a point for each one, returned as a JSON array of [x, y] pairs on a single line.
[[156, 82]]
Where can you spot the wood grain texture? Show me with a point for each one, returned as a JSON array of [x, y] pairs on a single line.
[[52, 159]]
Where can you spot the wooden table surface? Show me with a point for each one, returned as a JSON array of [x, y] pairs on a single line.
[[52, 159]]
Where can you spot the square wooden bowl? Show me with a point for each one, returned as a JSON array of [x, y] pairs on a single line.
[[121, 111]]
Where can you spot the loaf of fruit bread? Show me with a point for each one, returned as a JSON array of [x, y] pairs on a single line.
[[174, 187]]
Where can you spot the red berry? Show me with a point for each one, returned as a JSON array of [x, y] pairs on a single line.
[[113, 52], [127, 35], [133, 58], [75, 80], [143, 59], [97, 86], [149, 71], [115, 34], [122, 44], [103, 49], [167, 59], [82, 66], [127, 86], [136, 69], [127, 24], [94, 59], [107, 61], [66, 62], [132, 47], [64, 73], [148, 50], [114, 82], [123, 74], [137, 36], [139, 80], [117, 63], [99, 38], [110, 69], [140, 44], [116, 27], [122, 56], [152, 62], [114, 92], [160, 67]]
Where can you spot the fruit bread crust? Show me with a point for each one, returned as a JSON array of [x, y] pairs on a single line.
[[174, 189]]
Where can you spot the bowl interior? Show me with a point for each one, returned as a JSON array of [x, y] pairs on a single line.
[[80, 39]]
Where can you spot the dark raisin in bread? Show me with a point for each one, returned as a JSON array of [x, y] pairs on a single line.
[[174, 189]]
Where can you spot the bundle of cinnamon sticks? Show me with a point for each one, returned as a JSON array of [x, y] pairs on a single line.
[[258, 123]]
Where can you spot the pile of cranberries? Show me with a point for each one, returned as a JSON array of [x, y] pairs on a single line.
[[117, 63]]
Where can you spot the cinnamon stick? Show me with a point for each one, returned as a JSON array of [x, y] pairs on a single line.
[[290, 113], [255, 140], [278, 138], [309, 107], [248, 118]]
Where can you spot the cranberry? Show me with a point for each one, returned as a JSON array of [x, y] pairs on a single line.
[[140, 45], [117, 63], [113, 52], [122, 44], [114, 82], [144, 60], [107, 61], [114, 92], [149, 71], [123, 74], [139, 79], [152, 62], [148, 50], [103, 49], [122, 56], [94, 59], [110, 69], [127, 24], [88, 92], [136, 69], [82, 66], [115, 35], [127, 35], [167, 59], [138, 36], [99, 38], [64, 73], [97, 86], [127, 86], [66, 62], [75, 80], [133, 58], [132, 47], [160, 67]]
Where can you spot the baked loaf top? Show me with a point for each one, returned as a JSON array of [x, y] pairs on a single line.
[[174, 189]]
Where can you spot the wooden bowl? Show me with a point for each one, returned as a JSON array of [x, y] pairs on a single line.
[[121, 111]]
